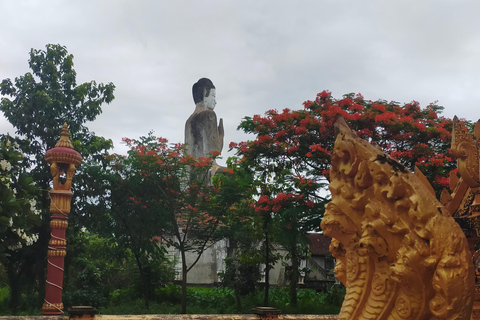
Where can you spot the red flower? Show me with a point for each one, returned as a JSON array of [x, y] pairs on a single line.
[[419, 126], [323, 95], [308, 104], [127, 141], [345, 102], [379, 107]]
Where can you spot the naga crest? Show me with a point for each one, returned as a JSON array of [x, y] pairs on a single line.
[[399, 253]]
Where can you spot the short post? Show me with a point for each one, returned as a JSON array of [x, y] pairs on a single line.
[[82, 312], [267, 313], [62, 160]]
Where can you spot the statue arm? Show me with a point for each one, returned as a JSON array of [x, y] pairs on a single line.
[[221, 133]]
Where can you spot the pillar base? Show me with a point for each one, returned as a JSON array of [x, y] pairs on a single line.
[[52, 308]]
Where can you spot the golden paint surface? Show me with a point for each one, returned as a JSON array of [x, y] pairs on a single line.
[[399, 253]]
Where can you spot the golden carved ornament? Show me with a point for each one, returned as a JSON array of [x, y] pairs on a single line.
[[60, 243], [465, 149], [399, 253], [52, 306], [60, 201], [63, 159], [58, 224], [57, 253]]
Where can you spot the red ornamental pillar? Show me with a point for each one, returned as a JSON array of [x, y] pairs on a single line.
[[63, 160]]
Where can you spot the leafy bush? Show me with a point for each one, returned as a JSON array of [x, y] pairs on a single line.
[[169, 294], [4, 296], [200, 301]]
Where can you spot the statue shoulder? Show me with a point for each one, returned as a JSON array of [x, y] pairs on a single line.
[[204, 115]]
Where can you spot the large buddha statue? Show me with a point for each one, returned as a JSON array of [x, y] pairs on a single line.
[[202, 134]]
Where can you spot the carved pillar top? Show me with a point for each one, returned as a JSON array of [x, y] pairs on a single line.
[[63, 160], [63, 151]]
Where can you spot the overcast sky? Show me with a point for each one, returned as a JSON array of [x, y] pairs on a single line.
[[261, 55]]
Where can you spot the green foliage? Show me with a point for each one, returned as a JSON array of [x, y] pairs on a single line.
[[4, 296], [27, 303], [89, 267], [159, 191], [169, 294], [240, 275], [19, 217], [50, 95], [100, 271], [222, 301], [18, 213], [335, 295], [290, 157], [37, 104]]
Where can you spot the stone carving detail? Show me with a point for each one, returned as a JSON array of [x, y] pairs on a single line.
[[399, 253]]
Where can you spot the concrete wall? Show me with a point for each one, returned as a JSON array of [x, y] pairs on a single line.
[[212, 262], [207, 268]]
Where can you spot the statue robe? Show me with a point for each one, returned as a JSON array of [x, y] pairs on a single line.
[[202, 134]]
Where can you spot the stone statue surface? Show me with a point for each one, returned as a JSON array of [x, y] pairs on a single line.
[[202, 133], [399, 252]]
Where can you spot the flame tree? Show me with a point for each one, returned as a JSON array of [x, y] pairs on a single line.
[[160, 192], [290, 156]]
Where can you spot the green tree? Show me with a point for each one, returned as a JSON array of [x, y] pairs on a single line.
[[100, 269], [249, 236], [135, 226], [37, 104], [18, 213], [290, 156], [168, 195], [245, 232]]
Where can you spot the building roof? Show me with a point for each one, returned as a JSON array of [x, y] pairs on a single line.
[[319, 243]]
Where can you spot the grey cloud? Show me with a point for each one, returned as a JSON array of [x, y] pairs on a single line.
[[260, 54]]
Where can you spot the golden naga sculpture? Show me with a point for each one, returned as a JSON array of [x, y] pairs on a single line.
[[399, 253], [464, 201], [465, 149]]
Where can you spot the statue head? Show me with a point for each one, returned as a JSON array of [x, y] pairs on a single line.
[[204, 90]]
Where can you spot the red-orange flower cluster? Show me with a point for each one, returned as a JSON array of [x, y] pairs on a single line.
[[293, 142]]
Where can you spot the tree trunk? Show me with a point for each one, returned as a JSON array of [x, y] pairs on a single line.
[[267, 270], [237, 297], [13, 284], [294, 276], [184, 283], [145, 282]]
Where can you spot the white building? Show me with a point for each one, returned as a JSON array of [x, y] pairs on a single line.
[[317, 270]]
